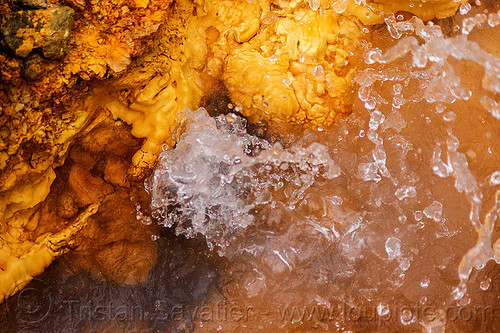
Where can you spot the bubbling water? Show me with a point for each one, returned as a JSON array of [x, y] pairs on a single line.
[[395, 204], [218, 174]]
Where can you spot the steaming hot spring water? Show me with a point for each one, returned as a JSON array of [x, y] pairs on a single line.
[[385, 222]]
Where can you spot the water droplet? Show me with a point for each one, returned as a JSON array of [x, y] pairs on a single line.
[[319, 72], [494, 178], [376, 119], [434, 211], [440, 108], [459, 292], [368, 171], [491, 106], [371, 104], [465, 8], [404, 264], [393, 248], [485, 285], [493, 19], [407, 317], [406, 192], [336, 200], [480, 18], [339, 6], [450, 116], [397, 88], [373, 56], [382, 309], [467, 25]]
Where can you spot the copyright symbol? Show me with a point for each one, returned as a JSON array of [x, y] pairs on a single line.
[[32, 303]]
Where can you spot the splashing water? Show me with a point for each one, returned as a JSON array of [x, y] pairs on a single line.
[[388, 204], [218, 174], [430, 52]]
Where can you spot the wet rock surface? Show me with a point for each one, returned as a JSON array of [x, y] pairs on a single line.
[[114, 245], [65, 299]]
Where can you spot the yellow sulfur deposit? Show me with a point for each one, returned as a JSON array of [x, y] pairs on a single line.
[[279, 61], [153, 112], [22, 259], [290, 61], [425, 9], [298, 68]]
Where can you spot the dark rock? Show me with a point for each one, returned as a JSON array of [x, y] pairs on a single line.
[[33, 68], [30, 4], [47, 29]]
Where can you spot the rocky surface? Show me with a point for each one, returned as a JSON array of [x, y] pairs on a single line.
[[45, 29], [67, 299], [43, 110]]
